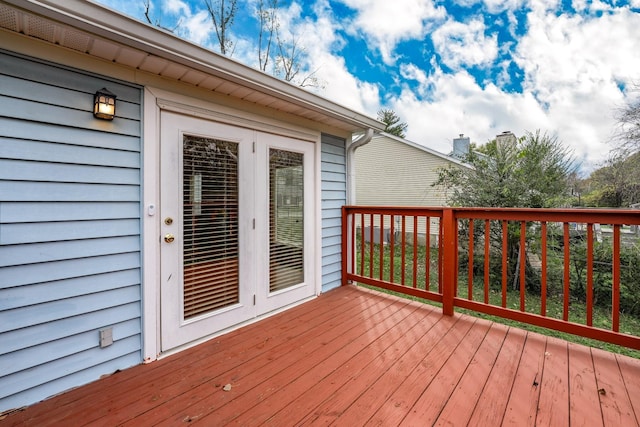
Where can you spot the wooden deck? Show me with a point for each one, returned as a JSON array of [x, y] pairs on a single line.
[[358, 357]]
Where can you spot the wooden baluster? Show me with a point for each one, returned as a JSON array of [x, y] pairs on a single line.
[[523, 263], [567, 276], [415, 251], [505, 242], [543, 273], [470, 262], [487, 265], [615, 304]]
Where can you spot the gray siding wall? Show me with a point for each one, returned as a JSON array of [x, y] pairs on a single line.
[[70, 262], [334, 196], [391, 173]]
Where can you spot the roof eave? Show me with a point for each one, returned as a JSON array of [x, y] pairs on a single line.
[[104, 22]]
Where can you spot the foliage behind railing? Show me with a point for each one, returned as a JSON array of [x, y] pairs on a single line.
[[538, 266]]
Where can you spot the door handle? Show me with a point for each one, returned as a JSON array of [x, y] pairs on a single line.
[[169, 238]]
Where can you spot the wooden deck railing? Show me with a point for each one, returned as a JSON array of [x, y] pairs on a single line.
[[561, 269]]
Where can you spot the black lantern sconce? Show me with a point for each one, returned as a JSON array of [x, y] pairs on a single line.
[[104, 105]]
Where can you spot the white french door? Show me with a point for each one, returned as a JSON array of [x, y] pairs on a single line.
[[286, 221], [237, 223]]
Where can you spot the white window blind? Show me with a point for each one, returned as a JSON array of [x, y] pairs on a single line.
[[210, 192], [286, 219]]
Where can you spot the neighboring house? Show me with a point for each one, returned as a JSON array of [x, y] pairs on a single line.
[[392, 171], [211, 199]]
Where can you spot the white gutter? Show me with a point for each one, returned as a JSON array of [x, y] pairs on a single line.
[[351, 164]]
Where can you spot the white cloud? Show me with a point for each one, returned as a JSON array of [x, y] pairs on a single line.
[[467, 3], [176, 7], [573, 66], [465, 44], [494, 6], [386, 23], [319, 38], [579, 5], [457, 105], [127, 7], [498, 6], [196, 27], [542, 6]]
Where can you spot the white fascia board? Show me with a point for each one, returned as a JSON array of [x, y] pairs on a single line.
[[112, 25]]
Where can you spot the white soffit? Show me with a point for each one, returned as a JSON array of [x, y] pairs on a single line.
[[100, 32]]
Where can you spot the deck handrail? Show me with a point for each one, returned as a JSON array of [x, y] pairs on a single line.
[[393, 248]]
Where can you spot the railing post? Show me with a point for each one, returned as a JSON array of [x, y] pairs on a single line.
[[449, 249], [345, 245]]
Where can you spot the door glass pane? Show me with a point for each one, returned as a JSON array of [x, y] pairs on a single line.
[[286, 221], [211, 275]]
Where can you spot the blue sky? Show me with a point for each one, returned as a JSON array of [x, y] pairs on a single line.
[[473, 67]]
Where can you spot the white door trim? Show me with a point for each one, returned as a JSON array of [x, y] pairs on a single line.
[[151, 194], [176, 331], [150, 228], [267, 301], [177, 103]]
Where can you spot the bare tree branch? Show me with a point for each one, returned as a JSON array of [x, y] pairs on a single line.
[[311, 80], [288, 59], [628, 133], [157, 23], [222, 13], [269, 24]]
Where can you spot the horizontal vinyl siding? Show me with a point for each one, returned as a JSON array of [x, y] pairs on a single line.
[[70, 263], [334, 196], [391, 173]]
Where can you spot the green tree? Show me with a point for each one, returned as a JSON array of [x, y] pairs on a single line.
[[530, 172], [392, 120], [617, 183]]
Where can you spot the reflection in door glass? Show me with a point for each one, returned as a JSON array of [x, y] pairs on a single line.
[[286, 219], [210, 199]]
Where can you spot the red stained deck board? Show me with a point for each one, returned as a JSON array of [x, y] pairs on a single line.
[[377, 393], [461, 403], [427, 408], [294, 380], [613, 394], [553, 406], [630, 369], [360, 357], [584, 407], [369, 368], [394, 410], [522, 406], [183, 384], [98, 398], [322, 380], [247, 378], [493, 401]]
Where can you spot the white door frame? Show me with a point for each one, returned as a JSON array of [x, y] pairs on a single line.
[[177, 331], [156, 100], [267, 301]]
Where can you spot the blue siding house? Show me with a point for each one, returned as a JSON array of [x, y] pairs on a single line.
[[211, 199]]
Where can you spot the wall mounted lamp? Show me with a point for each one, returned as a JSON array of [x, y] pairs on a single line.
[[104, 104]]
